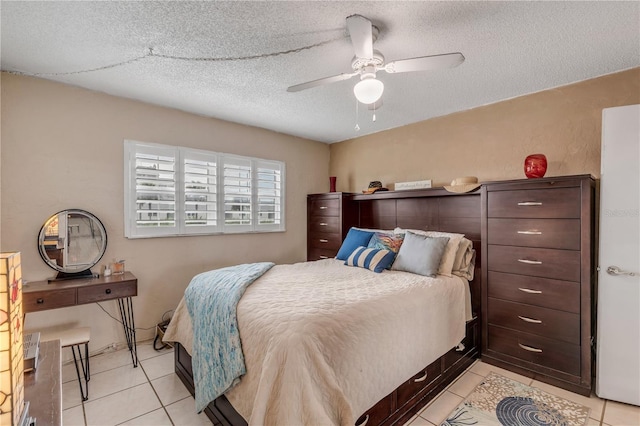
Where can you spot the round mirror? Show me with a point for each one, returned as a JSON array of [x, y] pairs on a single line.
[[72, 242]]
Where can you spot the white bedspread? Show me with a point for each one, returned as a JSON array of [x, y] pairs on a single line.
[[323, 342]]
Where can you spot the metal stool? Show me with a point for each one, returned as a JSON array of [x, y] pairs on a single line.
[[74, 338]]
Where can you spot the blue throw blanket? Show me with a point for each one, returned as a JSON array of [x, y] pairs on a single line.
[[217, 356]]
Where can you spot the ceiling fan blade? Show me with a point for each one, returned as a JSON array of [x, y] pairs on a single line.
[[320, 82], [424, 63], [361, 33]]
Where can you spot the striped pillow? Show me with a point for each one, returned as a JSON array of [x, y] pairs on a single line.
[[376, 260]]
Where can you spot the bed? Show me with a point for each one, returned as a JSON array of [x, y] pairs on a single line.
[[326, 343]]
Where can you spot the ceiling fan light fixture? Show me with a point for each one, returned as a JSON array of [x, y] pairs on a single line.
[[368, 90]]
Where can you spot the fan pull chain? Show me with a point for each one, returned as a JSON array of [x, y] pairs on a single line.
[[374, 112], [357, 127]]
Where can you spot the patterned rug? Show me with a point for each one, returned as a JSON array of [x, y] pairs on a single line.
[[501, 401]]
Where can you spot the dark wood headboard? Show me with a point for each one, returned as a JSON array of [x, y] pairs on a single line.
[[427, 209]]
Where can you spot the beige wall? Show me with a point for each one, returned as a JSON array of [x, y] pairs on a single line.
[[491, 142], [62, 147]]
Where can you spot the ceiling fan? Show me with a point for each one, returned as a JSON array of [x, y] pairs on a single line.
[[368, 61]]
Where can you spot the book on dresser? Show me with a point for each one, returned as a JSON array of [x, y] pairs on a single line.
[[538, 278], [31, 348]]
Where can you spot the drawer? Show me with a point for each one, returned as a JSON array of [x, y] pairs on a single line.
[[318, 253], [537, 262], [545, 292], [109, 291], [536, 349], [325, 224], [417, 383], [550, 233], [535, 203], [324, 207], [184, 359], [376, 414], [49, 299], [324, 241], [545, 322]]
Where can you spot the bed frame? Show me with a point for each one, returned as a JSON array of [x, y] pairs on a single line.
[[432, 209]]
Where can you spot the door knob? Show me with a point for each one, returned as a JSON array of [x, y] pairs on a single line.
[[614, 270]]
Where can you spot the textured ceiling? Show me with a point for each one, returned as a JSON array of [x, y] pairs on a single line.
[[511, 49]]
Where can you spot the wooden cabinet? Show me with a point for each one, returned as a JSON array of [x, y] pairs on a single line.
[[538, 278], [43, 386], [329, 217]]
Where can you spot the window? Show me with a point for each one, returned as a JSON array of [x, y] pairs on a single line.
[[180, 191]]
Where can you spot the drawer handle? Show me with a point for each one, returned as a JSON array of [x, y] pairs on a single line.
[[323, 207], [364, 422], [528, 290], [530, 232], [322, 240], [322, 224], [529, 348], [39, 301], [324, 257], [108, 291], [527, 319], [530, 203], [421, 379], [530, 262]]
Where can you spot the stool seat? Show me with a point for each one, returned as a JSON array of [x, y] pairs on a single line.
[[70, 337], [74, 337]]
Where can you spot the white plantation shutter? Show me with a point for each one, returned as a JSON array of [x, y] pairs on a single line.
[[269, 181], [200, 172], [179, 191], [237, 194], [150, 196]]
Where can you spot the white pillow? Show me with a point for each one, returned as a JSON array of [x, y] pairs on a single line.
[[449, 256], [462, 261]]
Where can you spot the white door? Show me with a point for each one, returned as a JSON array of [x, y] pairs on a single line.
[[618, 327]]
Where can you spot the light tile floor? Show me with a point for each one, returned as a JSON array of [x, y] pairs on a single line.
[[603, 412], [152, 394]]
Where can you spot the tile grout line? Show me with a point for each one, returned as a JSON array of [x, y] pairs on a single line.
[[604, 407], [468, 370], [156, 393], [147, 380]]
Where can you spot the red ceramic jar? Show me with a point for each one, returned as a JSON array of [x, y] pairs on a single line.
[[535, 166]]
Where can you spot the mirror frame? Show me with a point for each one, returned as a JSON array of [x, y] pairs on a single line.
[[66, 272]]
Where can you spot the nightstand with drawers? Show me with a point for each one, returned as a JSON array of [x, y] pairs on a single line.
[[538, 278], [329, 217]]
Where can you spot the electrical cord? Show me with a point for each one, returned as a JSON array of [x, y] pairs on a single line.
[[151, 53], [164, 322], [120, 321]]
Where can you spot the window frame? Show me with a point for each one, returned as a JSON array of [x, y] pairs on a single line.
[[180, 154]]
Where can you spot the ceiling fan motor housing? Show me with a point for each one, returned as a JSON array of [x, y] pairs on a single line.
[[358, 64]]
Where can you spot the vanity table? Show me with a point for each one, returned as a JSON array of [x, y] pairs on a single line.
[[44, 295], [72, 242]]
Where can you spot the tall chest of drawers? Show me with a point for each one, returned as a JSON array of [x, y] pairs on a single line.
[[538, 278], [329, 217]]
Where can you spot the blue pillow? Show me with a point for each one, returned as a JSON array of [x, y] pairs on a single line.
[[355, 238], [375, 260]]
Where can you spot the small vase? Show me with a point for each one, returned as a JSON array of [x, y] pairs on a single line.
[[535, 166], [332, 184]]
